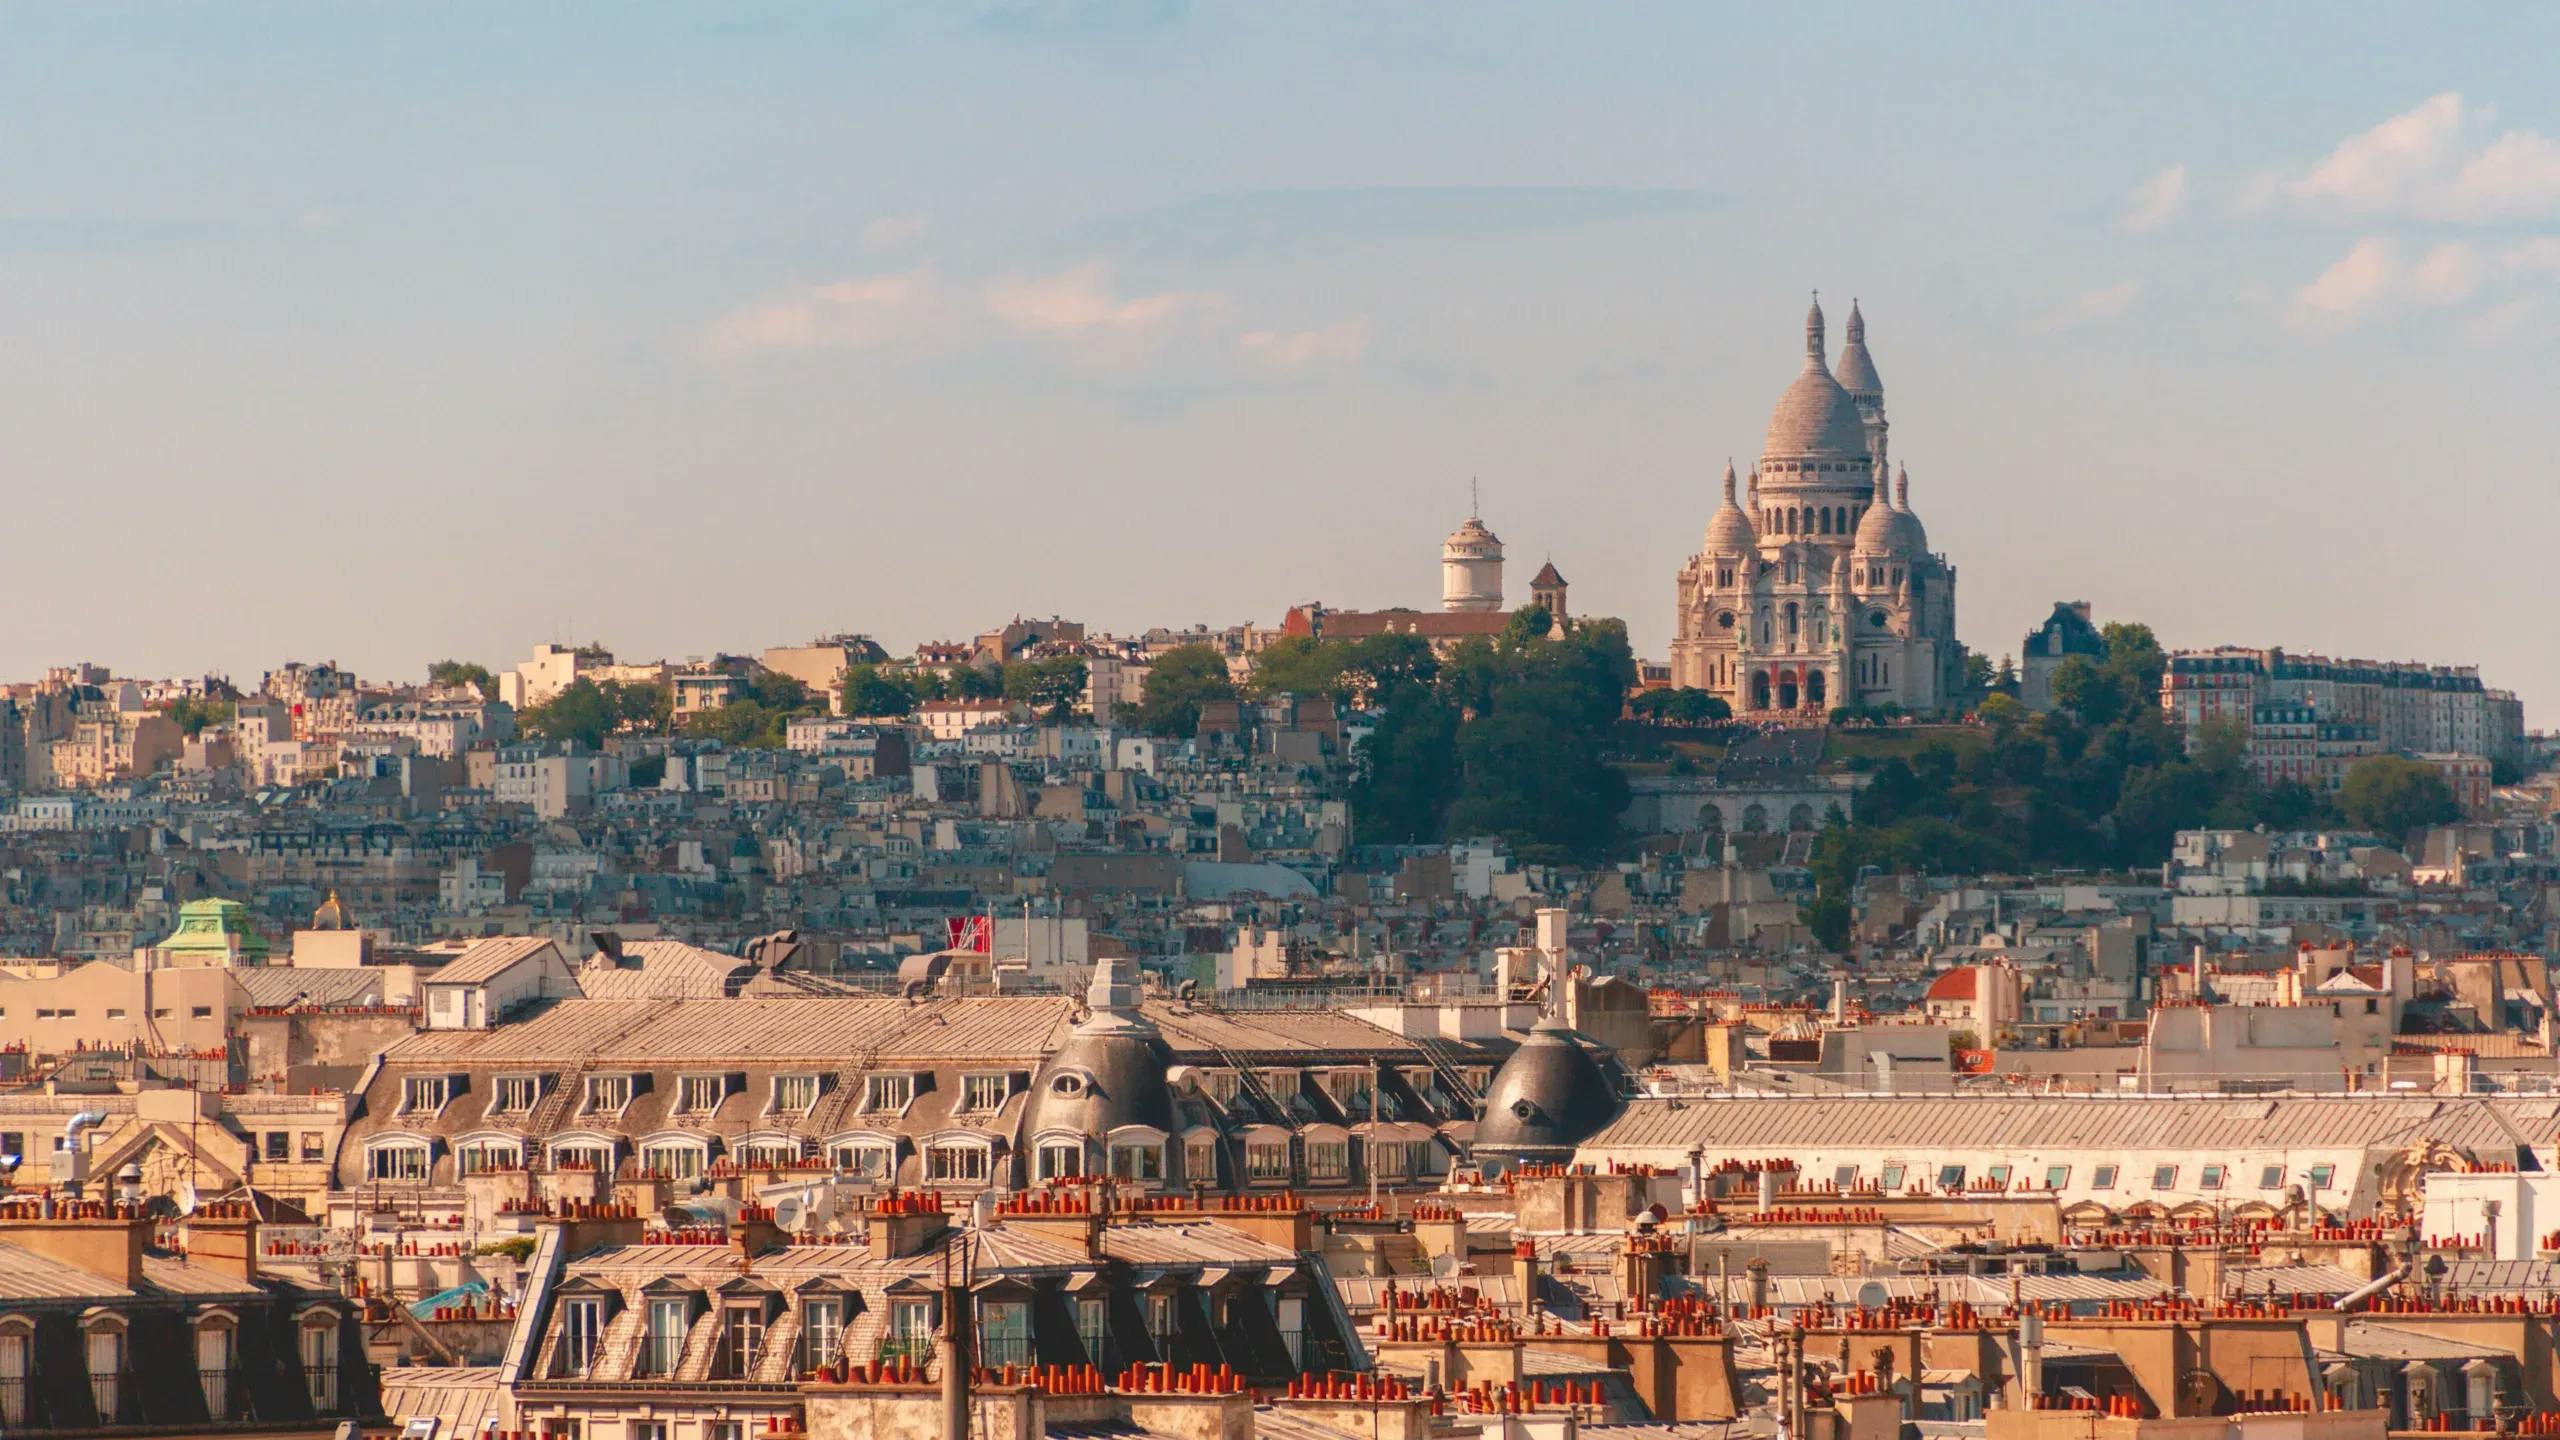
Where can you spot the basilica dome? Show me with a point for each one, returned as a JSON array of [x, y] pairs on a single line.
[[1816, 419], [1729, 530]]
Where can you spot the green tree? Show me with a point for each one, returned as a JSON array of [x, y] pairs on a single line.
[[2392, 796], [977, 682], [1178, 684], [1051, 686], [2087, 690], [581, 712], [1528, 624], [1405, 774], [464, 672], [193, 713], [870, 691], [1696, 707]]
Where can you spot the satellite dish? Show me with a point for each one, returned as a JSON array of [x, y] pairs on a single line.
[[1873, 1296], [188, 1200]]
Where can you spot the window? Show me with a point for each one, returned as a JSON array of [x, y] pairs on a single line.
[[515, 1094], [200, 1012], [581, 1336], [1290, 1314], [1999, 1175], [2213, 1177], [647, 1430], [213, 1368], [910, 1330], [724, 1430], [979, 1093], [116, 1012], [607, 1094], [480, 1157], [682, 1161], [2164, 1177], [279, 1144], [955, 1162], [1349, 1090], [2321, 1175], [663, 1342], [1266, 1160], [1138, 1161], [774, 1153], [1845, 1176], [741, 1341], [581, 1157], [2271, 1178], [1004, 1333], [315, 1146], [1328, 1160], [397, 1162], [320, 1362], [1089, 1328], [1950, 1177], [106, 1370], [1893, 1177], [1221, 1086], [1160, 1318], [1061, 1159], [13, 1375], [1200, 1161], [424, 1094], [2103, 1178], [889, 1092], [13, 1143], [795, 1094], [700, 1094], [868, 1161], [822, 1329], [2057, 1177]]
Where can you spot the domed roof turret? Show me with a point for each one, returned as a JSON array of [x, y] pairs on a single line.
[[1815, 418], [1556, 1091], [1857, 369], [1915, 535], [1729, 530], [1471, 538], [1879, 532], [1110, 1072]]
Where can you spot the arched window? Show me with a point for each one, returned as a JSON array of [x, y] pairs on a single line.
[[1791, 620], [1755, 819], [1825, 521]]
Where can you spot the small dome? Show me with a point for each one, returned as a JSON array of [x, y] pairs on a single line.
[[1915, 535], [1879, 529], [1857, 369], [1556, 1091], [1109, 1073], [1472, 536], [1729, 530]]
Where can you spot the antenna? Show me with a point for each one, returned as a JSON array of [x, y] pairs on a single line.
[[1475, 500]]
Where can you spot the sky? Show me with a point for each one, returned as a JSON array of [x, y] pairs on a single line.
[[389, 333]]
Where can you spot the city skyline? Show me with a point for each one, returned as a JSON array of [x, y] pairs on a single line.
[[326, 303]]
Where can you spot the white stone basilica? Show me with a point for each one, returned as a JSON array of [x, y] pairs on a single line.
[[1816, 588]]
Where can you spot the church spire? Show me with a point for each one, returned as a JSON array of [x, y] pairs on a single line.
[[1814, 352], [1901, 488]]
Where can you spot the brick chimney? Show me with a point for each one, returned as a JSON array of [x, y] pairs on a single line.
[[223, 1235], [98, 1236]]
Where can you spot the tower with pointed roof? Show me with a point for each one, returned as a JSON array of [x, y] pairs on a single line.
[[1819, 590]]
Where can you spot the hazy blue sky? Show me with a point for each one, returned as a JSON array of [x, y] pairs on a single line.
[[385, 333]]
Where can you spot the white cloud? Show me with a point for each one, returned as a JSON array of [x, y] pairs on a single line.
[[2381, 168], [2448, 274], [2424, 162], [2358, 280], [2093, 307], [1341, 344], [838, 315], [1081, 301], [893, 232], [2518, 174], [2540, 253], [2156, 201]]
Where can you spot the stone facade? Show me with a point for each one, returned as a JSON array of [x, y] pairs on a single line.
[[1818, 588]]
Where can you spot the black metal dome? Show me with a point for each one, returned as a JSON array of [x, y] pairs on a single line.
[[1555, 1092]]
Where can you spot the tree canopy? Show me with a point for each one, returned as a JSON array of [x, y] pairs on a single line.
[[1506, 738], [1178, 684], [464, 672], [587, 712], [2391, 796]]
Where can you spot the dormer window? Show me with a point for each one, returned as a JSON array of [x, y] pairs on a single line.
[[515, 1094], [608, 1094], [425, 1094], [889, 1092], [982, 1093], [701, 1094], [795, 1094]]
